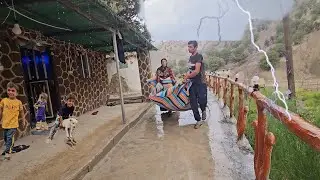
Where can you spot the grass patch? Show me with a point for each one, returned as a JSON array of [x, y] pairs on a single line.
[[291, 158]]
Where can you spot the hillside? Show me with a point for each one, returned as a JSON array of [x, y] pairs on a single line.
[[305, 36], [241, 57], [175, 51]]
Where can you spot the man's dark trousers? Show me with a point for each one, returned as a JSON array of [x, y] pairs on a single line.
[[198, 95]]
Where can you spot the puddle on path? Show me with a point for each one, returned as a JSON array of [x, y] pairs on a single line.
[[180, 153], [184, 118], [231, 162]]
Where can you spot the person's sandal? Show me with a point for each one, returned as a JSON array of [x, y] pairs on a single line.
[[204, 115], [198, 124]]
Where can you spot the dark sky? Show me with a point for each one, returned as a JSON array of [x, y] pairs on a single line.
[[179, 19]]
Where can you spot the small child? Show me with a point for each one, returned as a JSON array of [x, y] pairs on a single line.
[[10, 109], [40, 106], [65, 112]]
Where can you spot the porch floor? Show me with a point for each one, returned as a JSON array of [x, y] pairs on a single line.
[[56, 159]]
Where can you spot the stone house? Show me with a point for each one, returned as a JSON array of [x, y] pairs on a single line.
[[59, 63]]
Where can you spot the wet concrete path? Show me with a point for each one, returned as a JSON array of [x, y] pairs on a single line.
[[159, 149], [163, 147], [233, 160]]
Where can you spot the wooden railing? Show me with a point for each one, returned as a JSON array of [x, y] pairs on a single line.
[[264, 140]]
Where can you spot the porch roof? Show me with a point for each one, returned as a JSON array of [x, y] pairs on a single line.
[[86, 22]]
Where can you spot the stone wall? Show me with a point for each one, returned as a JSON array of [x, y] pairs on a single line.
[[144, 71], [10, 59], [91, 92]]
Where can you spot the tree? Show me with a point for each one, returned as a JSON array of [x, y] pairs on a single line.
[[239, 54], [214, 63], [267, 43], [172, 63], [273, 58], [224, 54], [129, 10], [280, 48], [183, 66]]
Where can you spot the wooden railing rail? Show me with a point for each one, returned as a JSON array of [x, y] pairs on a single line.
[[264, 140]]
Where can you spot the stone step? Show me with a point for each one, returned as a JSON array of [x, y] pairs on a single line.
[[127, 100]]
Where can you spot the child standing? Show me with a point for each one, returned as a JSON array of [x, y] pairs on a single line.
[[10, 109], [65, 112], [40, 106]]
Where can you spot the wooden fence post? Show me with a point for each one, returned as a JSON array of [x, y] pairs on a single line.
[[241, 122], [231, 100], [255, 160], [267, 151], [218, 87], [225, 91], [211, 82], [214, 84], [261, 136]]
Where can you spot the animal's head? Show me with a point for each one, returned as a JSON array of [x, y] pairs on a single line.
[[73, 121]]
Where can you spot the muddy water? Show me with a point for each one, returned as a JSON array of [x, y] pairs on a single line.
[[159, 147]]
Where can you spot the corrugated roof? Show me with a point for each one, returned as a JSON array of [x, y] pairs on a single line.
[[89, 22]]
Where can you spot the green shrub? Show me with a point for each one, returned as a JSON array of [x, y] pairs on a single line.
[[315, 17], [279, 28], [294, 25], [273, 58], [299, 13], [224, 54], [306, 27], [239, 54], [182, 66], [236, 44], [279, 38], [297, 37], [267, 43], [214, 63], [300, 28], [280, 49], [316, 9]]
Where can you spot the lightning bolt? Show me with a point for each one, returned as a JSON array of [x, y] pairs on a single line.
[[275, 83]]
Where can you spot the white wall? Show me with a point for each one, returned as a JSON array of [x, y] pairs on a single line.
[[131, 74]]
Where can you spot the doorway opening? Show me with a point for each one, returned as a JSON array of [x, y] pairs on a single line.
[[40, 78]]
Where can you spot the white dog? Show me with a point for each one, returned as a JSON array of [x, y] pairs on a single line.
[[69, 126]]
